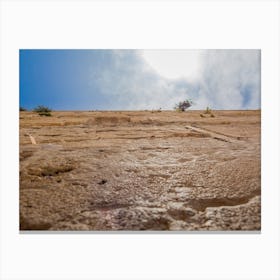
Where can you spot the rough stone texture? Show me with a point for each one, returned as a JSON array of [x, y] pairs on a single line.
[[140, 171]]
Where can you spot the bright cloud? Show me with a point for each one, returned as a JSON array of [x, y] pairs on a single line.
[[175, 64], [150, 79], [230, 79], [132, 84]]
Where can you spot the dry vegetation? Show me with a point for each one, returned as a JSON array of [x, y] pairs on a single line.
[[140, 171]]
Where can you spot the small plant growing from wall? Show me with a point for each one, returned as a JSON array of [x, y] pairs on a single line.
[[43, 110], [183, 105], [208, 111]]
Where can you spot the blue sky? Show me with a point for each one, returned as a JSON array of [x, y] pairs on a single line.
[[139, 79]]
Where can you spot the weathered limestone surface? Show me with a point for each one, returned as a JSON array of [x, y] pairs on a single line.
[[140, 171]]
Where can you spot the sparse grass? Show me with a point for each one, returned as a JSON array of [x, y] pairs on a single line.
[[208, 111], [22, 109], [43, 110], [183, 105]]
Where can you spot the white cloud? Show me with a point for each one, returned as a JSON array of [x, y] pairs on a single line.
[[231, 79], [224, 79], [132, 84], [175, 64]]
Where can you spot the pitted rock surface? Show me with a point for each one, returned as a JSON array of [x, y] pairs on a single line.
[[140, 171]]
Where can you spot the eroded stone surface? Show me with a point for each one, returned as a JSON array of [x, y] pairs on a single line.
[[140, 171]]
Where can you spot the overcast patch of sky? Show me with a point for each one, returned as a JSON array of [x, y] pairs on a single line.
[[230, 79], [123, 80]]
